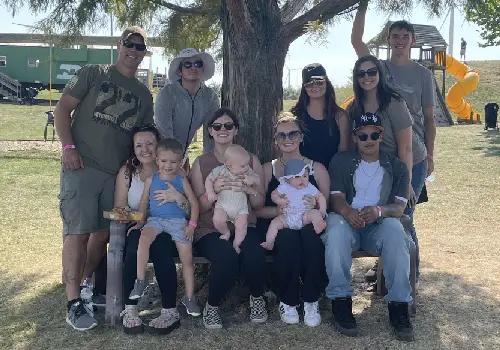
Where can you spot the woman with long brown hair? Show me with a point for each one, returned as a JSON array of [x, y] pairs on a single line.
[[326, 125]]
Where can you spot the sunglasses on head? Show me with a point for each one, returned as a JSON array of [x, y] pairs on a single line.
[[218, 126], [315, 82], [130, 44], [292, 135], [370, 72], [189, 64], [374, 136]]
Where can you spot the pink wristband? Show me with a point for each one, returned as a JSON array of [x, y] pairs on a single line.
[[192, 224], [68, 147], [430, 156]]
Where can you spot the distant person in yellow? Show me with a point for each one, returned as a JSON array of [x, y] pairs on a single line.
[[463, 47]]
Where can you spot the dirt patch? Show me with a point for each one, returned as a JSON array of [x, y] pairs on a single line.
[[12, 146]]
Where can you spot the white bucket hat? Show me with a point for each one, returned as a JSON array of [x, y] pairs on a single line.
[[208, 64]]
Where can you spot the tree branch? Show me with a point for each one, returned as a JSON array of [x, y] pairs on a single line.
[[185, 10], [290, 10], [322, 12]]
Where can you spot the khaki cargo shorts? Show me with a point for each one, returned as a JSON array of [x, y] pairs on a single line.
[[84, 194]]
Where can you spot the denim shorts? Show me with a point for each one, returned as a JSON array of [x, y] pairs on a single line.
[[173, 226]]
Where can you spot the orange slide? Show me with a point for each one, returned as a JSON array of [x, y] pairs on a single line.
[[468, 81]]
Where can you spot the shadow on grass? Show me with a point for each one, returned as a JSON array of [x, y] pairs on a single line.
[[30, 155], [452, 314], [492, 138]]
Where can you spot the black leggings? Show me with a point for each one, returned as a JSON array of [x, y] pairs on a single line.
[[299, 255], [161, 253], [225, 264]]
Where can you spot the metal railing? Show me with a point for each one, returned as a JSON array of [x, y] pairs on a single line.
[[10, 85]]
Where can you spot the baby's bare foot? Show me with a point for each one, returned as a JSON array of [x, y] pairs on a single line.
[[319, 226], [267, 245], [236, 247]]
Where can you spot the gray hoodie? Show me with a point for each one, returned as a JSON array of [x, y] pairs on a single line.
[[179, 115]]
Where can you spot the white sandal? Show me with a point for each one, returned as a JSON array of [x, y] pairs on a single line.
[[132, 324]]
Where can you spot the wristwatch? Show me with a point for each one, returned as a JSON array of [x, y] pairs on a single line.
[[379, 208]]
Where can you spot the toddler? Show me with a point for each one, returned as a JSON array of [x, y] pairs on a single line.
[[232, 205], [169, 218], [294, 185]]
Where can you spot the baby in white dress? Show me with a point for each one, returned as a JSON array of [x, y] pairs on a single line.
[[232, 205], [290, 193]]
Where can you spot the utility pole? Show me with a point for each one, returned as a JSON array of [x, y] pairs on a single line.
[[451, 30], [111, 17]]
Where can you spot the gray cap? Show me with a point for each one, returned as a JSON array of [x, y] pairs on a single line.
[[295, 167]]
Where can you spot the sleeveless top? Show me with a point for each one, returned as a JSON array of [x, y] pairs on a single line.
[[319, 144], [208, 162], [263, 224], [168, 210], [135, 192]]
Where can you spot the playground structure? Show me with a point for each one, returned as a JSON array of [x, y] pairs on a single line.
[[432, 55], [468, 81]]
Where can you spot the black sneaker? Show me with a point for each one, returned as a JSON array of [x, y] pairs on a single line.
[[79, 318], [400, 321], [343, 319]]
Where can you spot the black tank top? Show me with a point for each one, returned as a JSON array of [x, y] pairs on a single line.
[[319, 144], [263, 224]]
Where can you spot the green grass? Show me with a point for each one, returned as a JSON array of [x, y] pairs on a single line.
[[22, 122], [459, 291], [45, 95]]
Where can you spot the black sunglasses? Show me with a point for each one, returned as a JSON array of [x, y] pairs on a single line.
[[218, 126], [189, 64], [130, 44], [370, 72], [315, 82], [282, 136], [374, 136]]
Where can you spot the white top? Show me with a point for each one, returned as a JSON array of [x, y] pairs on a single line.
[[135, 192], [368, 184], [295, 195]]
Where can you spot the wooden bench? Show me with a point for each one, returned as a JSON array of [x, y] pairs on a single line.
[[114, 285]]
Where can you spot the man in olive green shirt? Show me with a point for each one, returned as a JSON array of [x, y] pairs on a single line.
[[94, 118]]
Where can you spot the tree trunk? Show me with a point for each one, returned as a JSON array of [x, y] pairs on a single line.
[[253, 59]]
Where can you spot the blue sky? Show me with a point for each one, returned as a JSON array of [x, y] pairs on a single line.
[[336, 53]]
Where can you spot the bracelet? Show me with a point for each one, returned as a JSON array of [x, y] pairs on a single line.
[[68, 147], [192, 224], [205, 196], [430, 156], [379, 208]]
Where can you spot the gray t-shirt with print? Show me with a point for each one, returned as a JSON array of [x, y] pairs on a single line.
[[396, 117], [111, 105], [415, 84]]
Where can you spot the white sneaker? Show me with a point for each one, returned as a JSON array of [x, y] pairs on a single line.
[[288, 313], [312, 318]]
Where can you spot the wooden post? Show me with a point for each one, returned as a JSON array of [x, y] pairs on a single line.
[[114, 285]]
